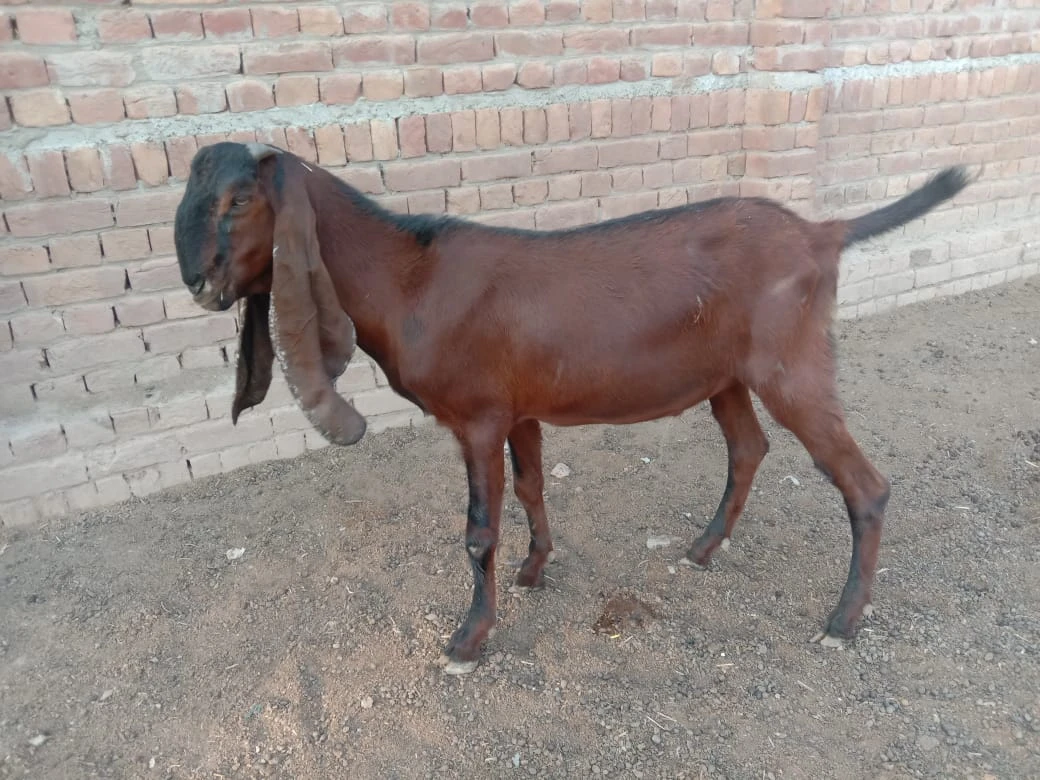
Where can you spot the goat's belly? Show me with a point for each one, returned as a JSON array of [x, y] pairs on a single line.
[[637, 399]]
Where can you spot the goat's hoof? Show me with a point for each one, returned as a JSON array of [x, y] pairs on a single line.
[[684, 561], [724, 544], [456, 668], [551, 557], [519, 590], [868, 610], [827, 640]]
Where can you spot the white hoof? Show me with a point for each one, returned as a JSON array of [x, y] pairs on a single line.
[[868, 610], [519, 590], [826, 640], [551, 557], [684, 561], [724, 544], [459, 667]]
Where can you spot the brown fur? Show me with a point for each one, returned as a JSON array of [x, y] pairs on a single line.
[[495, 331]]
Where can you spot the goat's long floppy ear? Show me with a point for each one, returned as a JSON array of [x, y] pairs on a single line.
[[255, 356], [312, 336]]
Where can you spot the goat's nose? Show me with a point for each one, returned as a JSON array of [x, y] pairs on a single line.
[[197, 285]]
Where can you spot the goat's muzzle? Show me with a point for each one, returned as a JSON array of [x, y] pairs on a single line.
[[212, 299]]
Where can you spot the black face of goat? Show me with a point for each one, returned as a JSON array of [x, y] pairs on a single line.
[[223, 226]]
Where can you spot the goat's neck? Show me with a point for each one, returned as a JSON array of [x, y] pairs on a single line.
[[366, 256]]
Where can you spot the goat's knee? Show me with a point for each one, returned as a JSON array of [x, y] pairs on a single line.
[[480, 542]]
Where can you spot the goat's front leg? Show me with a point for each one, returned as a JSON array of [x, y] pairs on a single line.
[[485, 466], [525, 450]]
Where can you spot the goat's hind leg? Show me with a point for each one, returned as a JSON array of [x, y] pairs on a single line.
[[746, 445], [811, 411], [485, 471], [525, 450]]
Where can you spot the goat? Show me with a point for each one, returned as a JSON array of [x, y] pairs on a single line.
[[494, 331]]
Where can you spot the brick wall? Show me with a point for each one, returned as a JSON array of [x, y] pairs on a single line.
[[536, 114]]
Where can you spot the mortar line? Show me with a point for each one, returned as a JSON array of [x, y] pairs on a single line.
[[320, 114]]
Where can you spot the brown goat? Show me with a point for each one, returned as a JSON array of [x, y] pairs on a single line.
[[493, 331]]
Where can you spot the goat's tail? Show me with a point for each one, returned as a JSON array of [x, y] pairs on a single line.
[[908, 208]]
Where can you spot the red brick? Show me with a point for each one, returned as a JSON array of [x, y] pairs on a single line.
[[423, 82], [411, 175], [275, 22], [565, 215], [450, 16], [201, 99], [662, 35], [411, 131], [48, 173], [179, 152], [629, 10], [98, 106], [340, 88], [19, 70], [628, 152], [358, 141], [177, 24], [153, 275], [296, 90], [598, 11], [18, 260], [498, 77], [384, 139], [557, 123], [564, 159], [535, 126], [364, 18], [603, 70], [300, 142], [382, 85], [150, 101], [496, 196], [41, 219], [261, 59], [329, 142], [489, 134], [71, 251], [410, 16], [463, 200], [123, 26], [320, 20], [438, 132], [91, 69], [447, 48], [165, 63], [633, 69], [171, 337], [489, 13], [535, 75], [571, 72], [667, 64], [531, 193], [620, 118], [393, 49], [463, 131], [367, 179], [533, 43], [161, 240], [511, 126], [661, 114], [767, 107], [39, 108], [601, 118], [758, 139], [462, 80], [89, 319], [227, 23], [45, 26], [146, 208], [427, 202], [249, 95], [563, 11], [118, 167], [150, 163], [57, 289], [526, 13], [596, 39], [630, 179], [137, 310], [491, 167]]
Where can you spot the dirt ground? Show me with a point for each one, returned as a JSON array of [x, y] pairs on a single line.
[[131, 646]]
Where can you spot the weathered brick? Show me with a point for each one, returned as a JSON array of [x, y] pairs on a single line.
[[329, 142], [535, 75], [532, 192], [34, 479], [565, 159], [173, 337], [410, 176], [36, 328], [201, 98], [149, 101], [365, 18], [46, 26], [22, 365], [18, 260], [629, 152], [74, 354], [169, 63], [564, 215], [462, 80], [384, 139], [88, 319], [177, 24], [498, 76], [381, 401], [320, 20], [489, 14], [47, 169], [121, 245], [491, 167], [70, 251], [219, 434], [41, 219], [423, 82], [604, 70], [39, 108], [19, 70], [489, 134], [447, 48], [566, 187], [296, 90], [340, 88], [123, 26], [88, 430], [536, 128], [15, 180], [150, 163], [262, 59], [275, 22], [382, 85], [91, 69], [411, 131], [387, 49], [146, 208], [153, 275], [227, 24]]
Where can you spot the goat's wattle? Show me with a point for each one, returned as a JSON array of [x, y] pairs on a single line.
[[495, 331]]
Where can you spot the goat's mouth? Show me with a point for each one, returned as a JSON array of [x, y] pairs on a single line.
[[213, 299]]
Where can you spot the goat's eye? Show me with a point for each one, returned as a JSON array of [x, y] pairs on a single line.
[[240, 200]]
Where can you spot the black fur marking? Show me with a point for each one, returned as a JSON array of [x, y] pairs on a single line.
[[517, 471]]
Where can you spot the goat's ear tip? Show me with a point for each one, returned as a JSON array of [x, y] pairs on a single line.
[[261, 151]]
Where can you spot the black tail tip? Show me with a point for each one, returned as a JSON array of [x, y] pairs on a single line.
[[951, 180]]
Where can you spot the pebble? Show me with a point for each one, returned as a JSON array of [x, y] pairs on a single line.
[[653, 542], [367, 703], [560, 470], [927, 743]]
